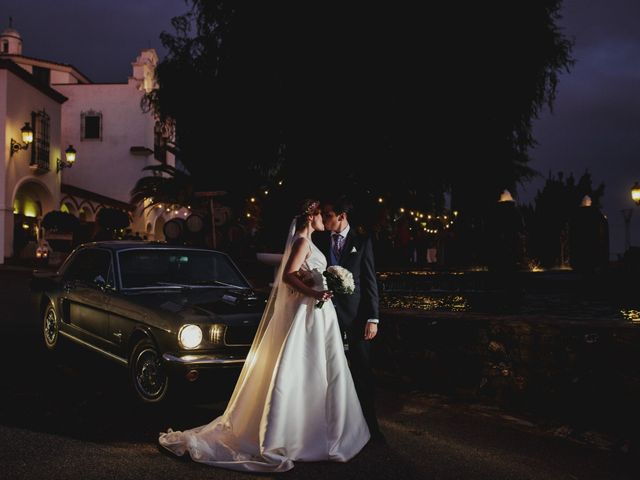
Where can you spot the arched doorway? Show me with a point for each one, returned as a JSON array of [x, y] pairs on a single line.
[[158, 230], [31, 201], [69, 207], [87, 224], [85, 214]]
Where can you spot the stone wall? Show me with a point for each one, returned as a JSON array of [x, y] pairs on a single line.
[[579, 371]]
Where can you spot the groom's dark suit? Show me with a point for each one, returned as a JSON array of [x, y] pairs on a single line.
[[354, 310]]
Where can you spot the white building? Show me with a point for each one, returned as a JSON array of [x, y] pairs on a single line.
[[104, 123]]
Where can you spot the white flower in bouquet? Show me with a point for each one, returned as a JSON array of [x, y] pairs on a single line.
[[339, 280]]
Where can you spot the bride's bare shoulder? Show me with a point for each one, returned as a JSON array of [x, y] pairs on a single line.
[[301, 243], [299, 239]]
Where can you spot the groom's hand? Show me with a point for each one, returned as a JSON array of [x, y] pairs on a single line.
[[370, 330]]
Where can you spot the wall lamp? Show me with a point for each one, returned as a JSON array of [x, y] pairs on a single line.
[[70, 155], [27, 139]]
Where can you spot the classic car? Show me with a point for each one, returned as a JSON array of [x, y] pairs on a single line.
[[164, 312]]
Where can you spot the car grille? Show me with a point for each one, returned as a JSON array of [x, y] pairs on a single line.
[[239, 335]]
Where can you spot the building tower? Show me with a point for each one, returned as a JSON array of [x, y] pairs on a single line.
[[10, 41]]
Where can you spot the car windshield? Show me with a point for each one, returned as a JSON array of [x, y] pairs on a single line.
[[178, 268]]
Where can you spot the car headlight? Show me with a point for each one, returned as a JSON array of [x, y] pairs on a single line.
[[190, 336]]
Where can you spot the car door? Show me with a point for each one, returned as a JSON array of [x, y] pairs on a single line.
[[124, 315], [86, 286]]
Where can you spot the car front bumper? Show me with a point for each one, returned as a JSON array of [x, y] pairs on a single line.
[[187, 361]]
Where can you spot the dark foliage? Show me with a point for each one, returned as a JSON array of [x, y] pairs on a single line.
[[339, 97], [166, 185], [549, 220], [57, 221], [112, 218]]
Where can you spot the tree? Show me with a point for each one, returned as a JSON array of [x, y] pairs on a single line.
[[267, 90], [211, 102], [549, 220], [58, 221], [176, 188], [111, 220], [64, 223]]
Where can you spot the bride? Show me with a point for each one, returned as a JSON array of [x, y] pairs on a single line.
[[294, 399]]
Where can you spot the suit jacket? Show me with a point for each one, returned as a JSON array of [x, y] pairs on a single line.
[[357, 256]]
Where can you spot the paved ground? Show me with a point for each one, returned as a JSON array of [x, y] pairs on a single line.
[[71, 416]]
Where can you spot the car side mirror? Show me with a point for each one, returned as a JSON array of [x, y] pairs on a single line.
[[99, 282], [102, 284]]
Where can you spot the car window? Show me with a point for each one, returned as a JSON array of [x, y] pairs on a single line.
[[88, 264], [149, 267]]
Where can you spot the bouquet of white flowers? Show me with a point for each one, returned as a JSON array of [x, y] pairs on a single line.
[[339, 280]]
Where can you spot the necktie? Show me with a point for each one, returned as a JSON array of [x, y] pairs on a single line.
[[337, 245]]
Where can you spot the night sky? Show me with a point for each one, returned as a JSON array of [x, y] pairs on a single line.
[[595, 124]]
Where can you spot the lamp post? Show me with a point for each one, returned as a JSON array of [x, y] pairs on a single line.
[[627, 213]]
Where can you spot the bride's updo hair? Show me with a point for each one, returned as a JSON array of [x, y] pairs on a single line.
[[308, 207]]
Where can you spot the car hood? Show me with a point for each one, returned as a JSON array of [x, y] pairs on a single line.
[[201, 306]]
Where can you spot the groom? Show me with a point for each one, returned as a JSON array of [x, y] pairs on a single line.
[[358, 312]]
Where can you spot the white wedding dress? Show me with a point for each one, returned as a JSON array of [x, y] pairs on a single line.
[[295, 399]]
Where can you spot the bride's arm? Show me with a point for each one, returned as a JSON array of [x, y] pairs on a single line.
[[299, 251]]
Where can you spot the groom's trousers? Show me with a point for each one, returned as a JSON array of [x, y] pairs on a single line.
[[363, 378]]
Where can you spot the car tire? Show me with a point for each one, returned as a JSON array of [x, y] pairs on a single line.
[[148, 377], [51, 328]]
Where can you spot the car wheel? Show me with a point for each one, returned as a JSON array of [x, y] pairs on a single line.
[[51, 328], [148, 376]]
